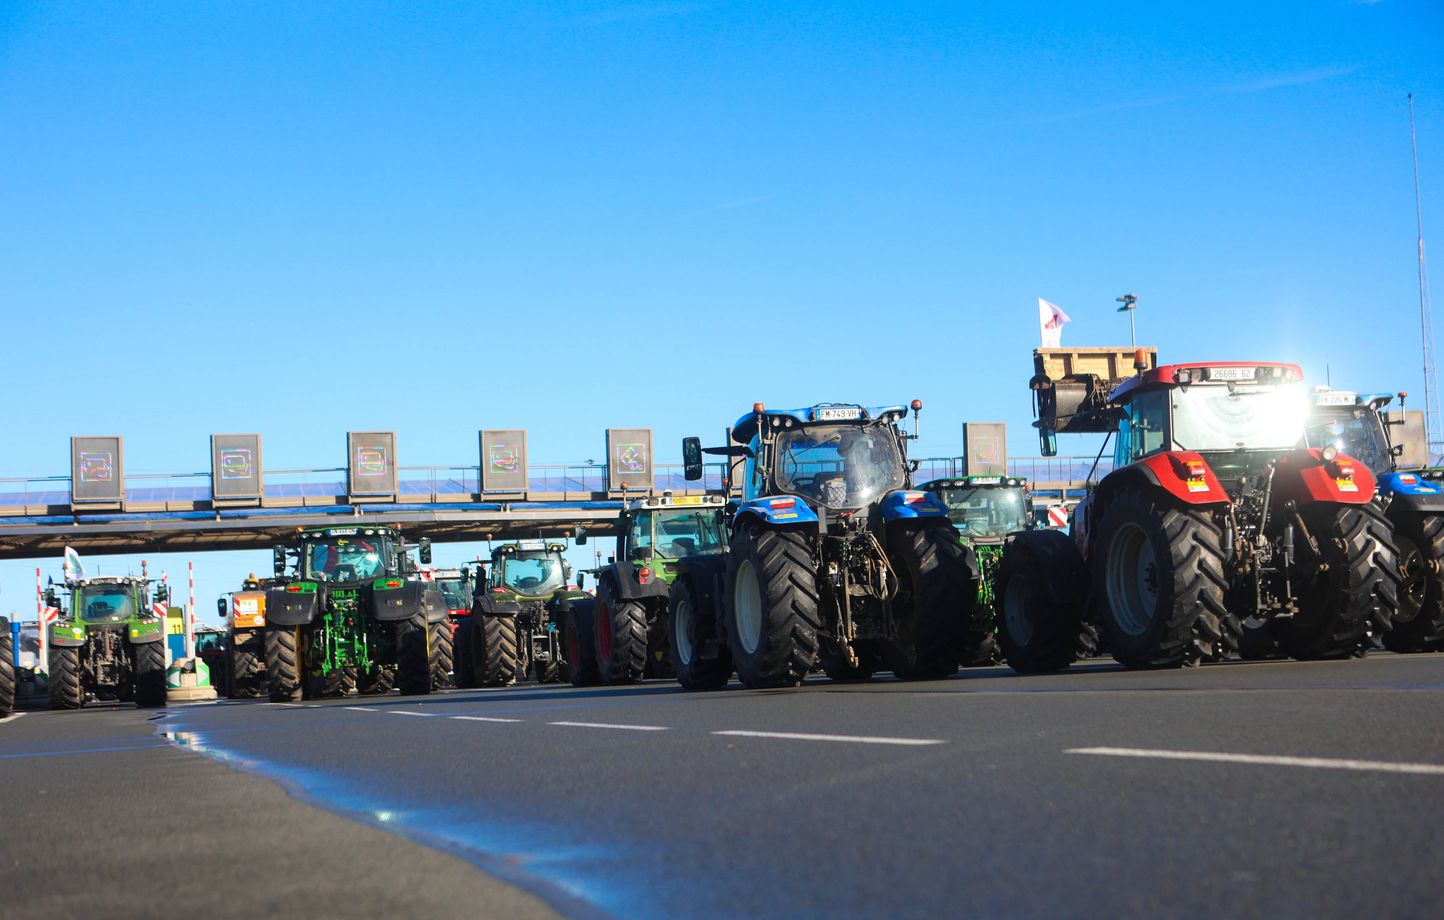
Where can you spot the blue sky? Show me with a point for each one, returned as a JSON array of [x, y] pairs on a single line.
[[301, 219]]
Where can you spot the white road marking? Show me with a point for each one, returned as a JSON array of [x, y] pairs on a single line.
[[483, 719], [1319, 763], [11, 718], [361, 709], [407, 712], [628, 728], [850, 739]]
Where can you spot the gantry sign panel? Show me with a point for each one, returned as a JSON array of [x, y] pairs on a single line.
[[503, 460], [236, 466], [985, 448], [371, 463], [97, 473], [629, 459]]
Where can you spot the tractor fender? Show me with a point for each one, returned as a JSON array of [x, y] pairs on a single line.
[[909, 504], [67, 634], [494, 605], [397, 599], [1412, 492], [1177, 473], [626, 581], [1306, 478], [285, 607], [141, 632], [776, 510]]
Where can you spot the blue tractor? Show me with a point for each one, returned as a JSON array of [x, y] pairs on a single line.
[[1413, 500], [834, 559]]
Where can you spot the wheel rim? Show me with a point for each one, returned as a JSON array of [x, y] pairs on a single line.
[[604, 631], [1132, 580], [748, 607], [1015, 611], [1415, 584], [680, 618]]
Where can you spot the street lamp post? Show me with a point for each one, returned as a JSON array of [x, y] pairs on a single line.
[[1130, 303]]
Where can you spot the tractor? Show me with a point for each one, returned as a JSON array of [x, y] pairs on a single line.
[[984, 510], [109, 644], [7, 669], [515, 618], [353, 607], [833, 559], [1412, 497], [242, 671], [1214, 516], [454, 586], [626, 637]]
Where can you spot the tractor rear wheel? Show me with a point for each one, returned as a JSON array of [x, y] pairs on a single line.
[[494, 645], [283, 663], [936, 603], [1040, 584], [1159, 582], [148, 661], [577, 641], [463, 668], [66, 691], [443, 655], [414, 655], [771, 606], [1357, 592], [7, 671], [1419, 621], [620, 629], [248, 669], [375, 681], [691, 623]]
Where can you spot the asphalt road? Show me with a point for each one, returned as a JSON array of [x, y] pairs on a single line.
[[1240, 789]]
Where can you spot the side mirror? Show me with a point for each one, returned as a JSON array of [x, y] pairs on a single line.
[[1048, 442], [579, 536], [278, 560], [691, 459], [581, 581], [162, 594], [1397, 450], [424, 550], [50, 599], [612, 559], [223, 608]]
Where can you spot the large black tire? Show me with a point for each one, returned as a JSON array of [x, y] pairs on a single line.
[[414, 655], [248, 669], [283, 663], [1419, 621], [330, 685], [619, 629], [691, 624], [494, 645], [148, 659], [442, 656], [1355, 596], [66, 690], [375, 681], [577, 641], [7, 671], [463, 666], [1040, 584], [771, 606], [936, 604], [1158, 581]]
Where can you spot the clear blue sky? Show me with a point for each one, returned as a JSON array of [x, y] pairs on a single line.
[[306, 218]]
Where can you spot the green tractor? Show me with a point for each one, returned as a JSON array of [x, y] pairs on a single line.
[[352, 610], [7, 669], [625, 638], [109, 644], [516, 614]]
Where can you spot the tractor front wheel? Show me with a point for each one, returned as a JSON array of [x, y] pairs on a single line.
[[443, 655], [936, 600], [414, 655], [375, 681], [66, 691], [1419, 621], [691, 623], [1038, 602], [495, 648], [577, 641], [148, 661], [7, 671], [463, 668], [771, 606], [620, 630], [1357, 590], [283, 663]]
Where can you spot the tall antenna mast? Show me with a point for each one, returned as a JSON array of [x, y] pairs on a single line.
[[1433, 431]]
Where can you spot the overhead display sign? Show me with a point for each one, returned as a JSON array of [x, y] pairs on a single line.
[[629, 459], [236, 466], [97, 473], [985, 449], [503, 460], [371, 463]]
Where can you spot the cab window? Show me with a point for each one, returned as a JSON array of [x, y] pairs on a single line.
[[640, 534], [1142, 431]]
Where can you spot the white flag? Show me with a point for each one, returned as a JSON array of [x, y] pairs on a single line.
[[73, 568], [1050, 323]]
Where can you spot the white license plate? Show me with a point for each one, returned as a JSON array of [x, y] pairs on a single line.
[[838, 415], [1334, 399], [1230, 373]]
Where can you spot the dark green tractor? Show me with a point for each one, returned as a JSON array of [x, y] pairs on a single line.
[[7, 669], [108, 644], [622, 636], [353, 610], [517, 612], [984, 510]]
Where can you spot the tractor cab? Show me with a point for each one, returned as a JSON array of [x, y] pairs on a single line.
[[1354, 425], [985, 509], [660, 531], [454, 586], [530, 569], [108, 601]]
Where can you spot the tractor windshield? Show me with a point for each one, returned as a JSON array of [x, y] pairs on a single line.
[[687, 533], [533, 573], [1215, 417], [345, 559], [453, 593], [105, 602], [986, 513], [839, 466], [1354, 431]]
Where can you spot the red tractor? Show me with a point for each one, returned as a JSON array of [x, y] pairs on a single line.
[[1213, 517]]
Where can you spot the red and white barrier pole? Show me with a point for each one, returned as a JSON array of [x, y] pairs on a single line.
[[190, 615]]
